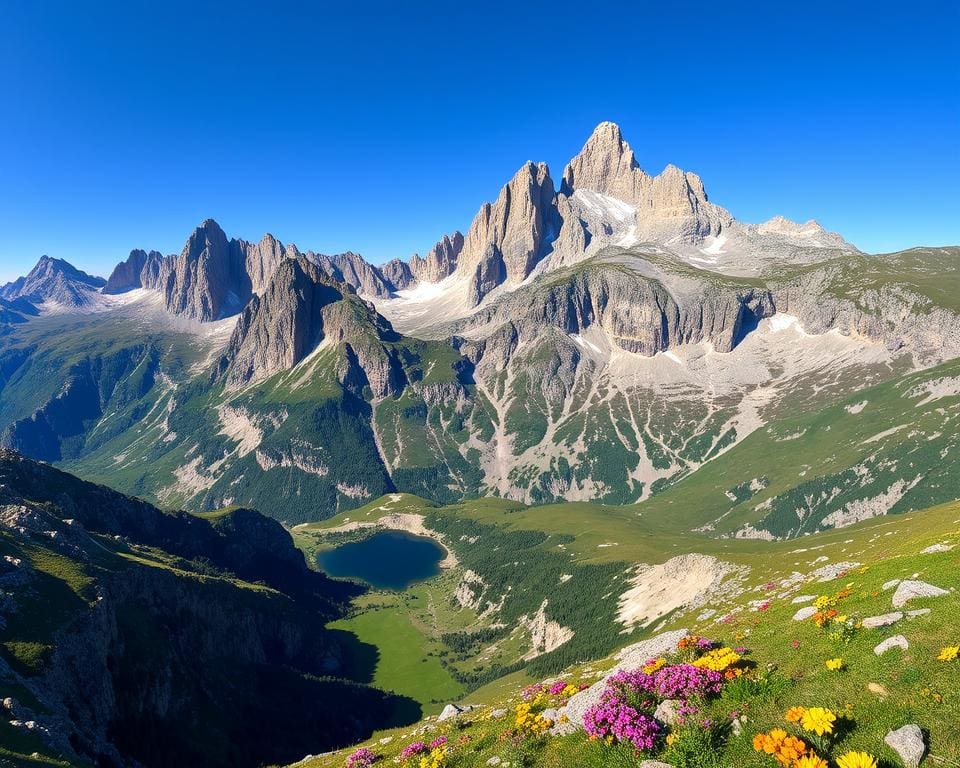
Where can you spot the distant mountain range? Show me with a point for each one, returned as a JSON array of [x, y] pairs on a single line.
[[603, 340]]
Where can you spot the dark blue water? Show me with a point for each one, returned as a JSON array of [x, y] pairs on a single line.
[[387, 560]]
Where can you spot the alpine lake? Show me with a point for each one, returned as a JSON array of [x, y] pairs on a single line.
[[390, 560]]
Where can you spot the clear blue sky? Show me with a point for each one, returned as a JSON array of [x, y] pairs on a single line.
[[377, 127]]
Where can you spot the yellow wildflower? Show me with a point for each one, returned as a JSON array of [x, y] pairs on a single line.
[[949, 653], [818, 720], [718, 659], [856, 760], [810, 760], [834, 665], [652, 666]]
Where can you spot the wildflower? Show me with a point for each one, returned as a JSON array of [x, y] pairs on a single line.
[[532, 691], [818, 720], [856, 760], [436, 759], [791, 749], [526, 720], [362, 758], [612, 719], [821, 602], [822, 618], [949, 653], [412, 750], [557, 687], [438, 742], [653, 665], [810, 760], [795, 713], [771, 742], [718, 659], [834, 665]]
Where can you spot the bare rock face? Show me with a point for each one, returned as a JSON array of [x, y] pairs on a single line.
[[639, 313], [53, 280], [282, 326], [263, 259], [669, 207], [398, 274], [508, 237], [301, 308], [440, 262], [208, 280], [140, 270], [350, 268]]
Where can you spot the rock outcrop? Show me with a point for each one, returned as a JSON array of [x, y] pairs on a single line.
[[131, 672], [262, 260], [140, 270], [440, 262], [301, 308], [208, 280], [672, 206], [350, 268], [509, 236], [398, 274]]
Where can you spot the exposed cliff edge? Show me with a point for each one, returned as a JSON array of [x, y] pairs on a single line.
[[128, 627]]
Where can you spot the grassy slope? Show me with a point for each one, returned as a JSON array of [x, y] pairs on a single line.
[[919, 688]]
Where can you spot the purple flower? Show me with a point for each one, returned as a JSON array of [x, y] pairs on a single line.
[[417, 748], [613, 717], [557, 687], [676, 681], [362, 758], [531, 691], [438, 742]]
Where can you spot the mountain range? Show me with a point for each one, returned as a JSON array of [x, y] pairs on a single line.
[[613, 404], [605, 339]]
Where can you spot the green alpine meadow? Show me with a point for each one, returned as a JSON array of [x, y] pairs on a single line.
[[376, 391]]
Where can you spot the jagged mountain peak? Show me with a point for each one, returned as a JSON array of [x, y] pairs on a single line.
[[603, 164], [54, 280], [508, 236], [48, 266], [140, 270], [301, 309]]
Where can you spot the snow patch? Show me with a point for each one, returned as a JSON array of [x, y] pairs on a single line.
[[783, 322], [715, 248]]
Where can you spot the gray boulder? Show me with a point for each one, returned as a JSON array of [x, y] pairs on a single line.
[[454, 710], [884, 620], [908, 590], [897, 641], [908, 743]]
